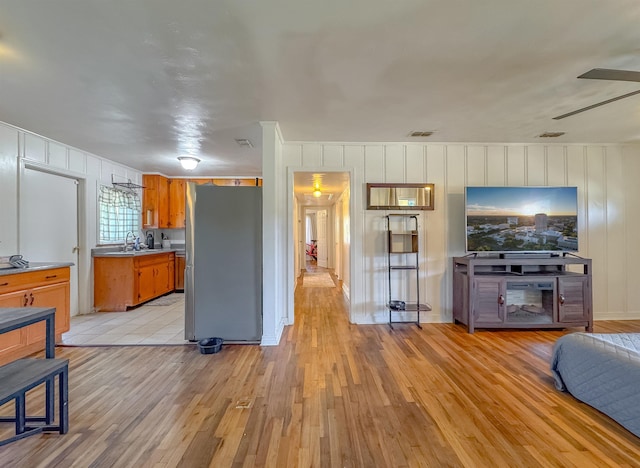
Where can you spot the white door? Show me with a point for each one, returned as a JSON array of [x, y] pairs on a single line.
[[49, 222], [321, 223]]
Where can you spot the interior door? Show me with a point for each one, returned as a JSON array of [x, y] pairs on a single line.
[[321, 222], [49, 222]]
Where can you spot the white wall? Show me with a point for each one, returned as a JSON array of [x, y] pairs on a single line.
[[609, 203], [20, 147], [276, 287]]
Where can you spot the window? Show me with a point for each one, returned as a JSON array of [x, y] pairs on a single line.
[[119, 213]]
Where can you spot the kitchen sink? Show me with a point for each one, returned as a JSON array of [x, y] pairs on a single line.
[[128, 253]]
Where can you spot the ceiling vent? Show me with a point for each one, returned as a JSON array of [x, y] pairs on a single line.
[[420, 134], [551, 134], [244, 142]]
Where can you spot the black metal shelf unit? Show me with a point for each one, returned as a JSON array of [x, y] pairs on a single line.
[[403, 254]]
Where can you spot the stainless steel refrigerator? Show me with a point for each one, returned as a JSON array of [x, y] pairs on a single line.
[[223, 269]]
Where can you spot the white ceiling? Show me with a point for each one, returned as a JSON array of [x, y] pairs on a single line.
[[142, 82]]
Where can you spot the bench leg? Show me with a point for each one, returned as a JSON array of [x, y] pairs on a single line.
[[49, 403], [63, 395], [21, 414]]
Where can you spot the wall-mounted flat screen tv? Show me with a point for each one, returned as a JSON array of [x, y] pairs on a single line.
[[521, 219]]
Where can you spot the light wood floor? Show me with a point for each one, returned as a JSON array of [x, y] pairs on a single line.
[[331, 394]]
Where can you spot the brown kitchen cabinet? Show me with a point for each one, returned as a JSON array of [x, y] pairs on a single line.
[[180, 263], [155, 202], [126, 281], [177, 207], [164, 199], [40, 288]]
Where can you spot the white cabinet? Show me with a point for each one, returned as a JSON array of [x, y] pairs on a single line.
[[8, 190]]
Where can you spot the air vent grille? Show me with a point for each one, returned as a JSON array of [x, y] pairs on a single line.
[[244, 142], [551, 134], [420, 134]]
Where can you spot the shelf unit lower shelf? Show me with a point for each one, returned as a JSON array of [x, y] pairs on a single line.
[[408, 308]]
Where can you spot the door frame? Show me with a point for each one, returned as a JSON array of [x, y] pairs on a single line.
[[83, 255], [292, 223]]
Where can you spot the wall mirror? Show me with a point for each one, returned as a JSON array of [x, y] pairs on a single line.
[[400, 196]]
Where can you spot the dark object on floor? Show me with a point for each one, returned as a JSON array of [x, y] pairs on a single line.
[[210, 345]]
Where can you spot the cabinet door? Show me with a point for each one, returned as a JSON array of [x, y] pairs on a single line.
[[179, 273], [155, 202], [488, 300], [54, 295], [162, 278], [146, 283], [574, 303], [163, 202], [177, 203], [149, 201], [12, 341]]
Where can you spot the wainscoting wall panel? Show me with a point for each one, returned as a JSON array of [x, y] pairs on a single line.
[[609, 202]]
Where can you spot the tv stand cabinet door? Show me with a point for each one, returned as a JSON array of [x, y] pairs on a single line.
[[488, 301], [574, 299]]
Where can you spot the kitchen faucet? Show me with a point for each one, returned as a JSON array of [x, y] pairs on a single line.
[[126, 238]]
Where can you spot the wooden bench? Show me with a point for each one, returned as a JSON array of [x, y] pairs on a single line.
[[17, 378]]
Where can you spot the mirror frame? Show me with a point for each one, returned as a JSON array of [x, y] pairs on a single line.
[[430, 206]]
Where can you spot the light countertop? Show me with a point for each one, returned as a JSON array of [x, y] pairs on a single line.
[[34, 266]]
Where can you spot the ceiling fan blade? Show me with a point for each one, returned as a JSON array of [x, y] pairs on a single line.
[[593, 106], [609, 74]]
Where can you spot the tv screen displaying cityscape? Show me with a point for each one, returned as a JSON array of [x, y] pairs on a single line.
[[521, 219]]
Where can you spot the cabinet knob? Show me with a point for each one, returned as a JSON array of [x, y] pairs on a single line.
[[501, 299], [561, 298], [32, 299], [26, 300]]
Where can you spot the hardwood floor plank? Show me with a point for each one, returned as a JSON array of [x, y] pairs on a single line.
[[331, 394]]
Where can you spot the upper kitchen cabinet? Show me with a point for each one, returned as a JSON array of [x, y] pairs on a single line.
[[155, 202], [238, 182], [177, 196], [164, 199], [8, 191]]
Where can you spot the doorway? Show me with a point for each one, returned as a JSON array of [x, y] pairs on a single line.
[[321, 230], [315, 237]]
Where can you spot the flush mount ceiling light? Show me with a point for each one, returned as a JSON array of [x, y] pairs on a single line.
[[188, 162]]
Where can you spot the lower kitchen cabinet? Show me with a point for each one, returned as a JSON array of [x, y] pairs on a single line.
[[127, 281], [41, 288], [180, 263]]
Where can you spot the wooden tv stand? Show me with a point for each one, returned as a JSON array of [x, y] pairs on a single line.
[[522, 292]]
